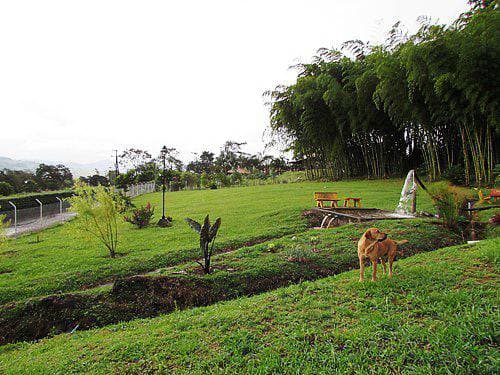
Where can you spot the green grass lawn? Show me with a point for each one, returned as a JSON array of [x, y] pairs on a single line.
[[437, 315], [246, 271], [63, 261]]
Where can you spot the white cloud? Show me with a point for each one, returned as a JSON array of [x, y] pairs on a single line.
[[78, 79]]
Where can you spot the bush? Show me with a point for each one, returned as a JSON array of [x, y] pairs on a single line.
[[30, 186], [204, 180], [449, 201], [222, 179], [98, 209], [176, 184], [454, 174], [6, 188], [141, 217], [190, 179], [236, 178]]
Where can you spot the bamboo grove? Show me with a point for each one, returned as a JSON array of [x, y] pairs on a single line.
[[427, 101]]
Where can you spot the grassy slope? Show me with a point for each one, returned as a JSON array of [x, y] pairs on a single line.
[[437, 314], [313, 253], [62, 261], [247, 271]]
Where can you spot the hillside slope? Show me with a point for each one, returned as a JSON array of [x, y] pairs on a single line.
[[437, 315]]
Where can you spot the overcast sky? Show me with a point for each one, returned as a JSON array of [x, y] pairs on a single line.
[[81, 78]]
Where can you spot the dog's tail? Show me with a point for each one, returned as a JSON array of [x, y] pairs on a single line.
[[401, 242]]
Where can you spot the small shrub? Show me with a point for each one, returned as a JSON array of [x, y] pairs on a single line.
[[141, 217], [98, 209], [204, 180], [222, 179], [236, 178], [207, 234], [6, 188], [450, 202]]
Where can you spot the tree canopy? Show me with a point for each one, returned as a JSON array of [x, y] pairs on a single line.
[[428, 101]]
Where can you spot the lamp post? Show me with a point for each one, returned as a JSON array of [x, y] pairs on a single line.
[[164, 221]]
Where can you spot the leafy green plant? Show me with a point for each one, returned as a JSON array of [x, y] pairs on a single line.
[[207, 234], [204, 180], [98, 209], [141, 217], [449, 201], [6, 188]]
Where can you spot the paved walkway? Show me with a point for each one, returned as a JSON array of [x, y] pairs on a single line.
[[35, 225]]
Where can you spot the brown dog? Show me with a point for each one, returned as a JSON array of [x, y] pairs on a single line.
[[375, 245]]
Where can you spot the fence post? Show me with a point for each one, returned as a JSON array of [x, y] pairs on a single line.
[[15, 216], [60, 208], [41, 212]]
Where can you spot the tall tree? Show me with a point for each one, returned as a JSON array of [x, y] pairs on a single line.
[[53, 177], [132, 158], [428, 100]]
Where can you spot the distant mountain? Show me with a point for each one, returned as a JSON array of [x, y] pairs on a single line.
[[78, 169], [17, 165]]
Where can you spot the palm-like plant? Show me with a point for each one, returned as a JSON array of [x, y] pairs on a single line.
[[207, 234]]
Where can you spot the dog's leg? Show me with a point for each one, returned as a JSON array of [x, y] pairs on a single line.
[[361, 269], [391, 259], [383, 265], [374, 273]]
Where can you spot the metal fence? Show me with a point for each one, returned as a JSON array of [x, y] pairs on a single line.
[[139, 189], [43, 215], [35, 218]]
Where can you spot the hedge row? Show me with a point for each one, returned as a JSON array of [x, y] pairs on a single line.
[[29, 201]]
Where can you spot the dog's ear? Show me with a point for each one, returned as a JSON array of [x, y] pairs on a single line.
[[368, 235]]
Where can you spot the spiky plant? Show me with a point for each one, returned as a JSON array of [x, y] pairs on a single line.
[[207, 234]]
